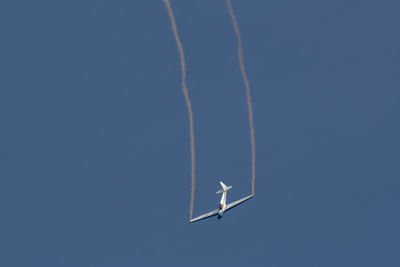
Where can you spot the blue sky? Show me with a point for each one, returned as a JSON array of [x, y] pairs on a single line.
[[94, 141]]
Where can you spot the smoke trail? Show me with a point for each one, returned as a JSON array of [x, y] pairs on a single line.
[[188, 103], [246, 84]]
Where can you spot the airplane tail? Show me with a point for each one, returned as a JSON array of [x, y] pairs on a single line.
[[224, 188]]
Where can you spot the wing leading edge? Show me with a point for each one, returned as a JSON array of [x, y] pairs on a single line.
[[201, 217], [237, 202], [215, 212]]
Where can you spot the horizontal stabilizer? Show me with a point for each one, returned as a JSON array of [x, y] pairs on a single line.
[[224, 188]]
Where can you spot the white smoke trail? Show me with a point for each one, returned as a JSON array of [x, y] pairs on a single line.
[[188, 103], [248, 96]]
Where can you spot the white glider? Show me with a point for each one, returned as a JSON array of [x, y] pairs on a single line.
[[222, 204]]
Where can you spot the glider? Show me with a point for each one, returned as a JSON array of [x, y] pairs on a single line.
[[222, 204]]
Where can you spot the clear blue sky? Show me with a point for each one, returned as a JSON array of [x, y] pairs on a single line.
[[94, 141]]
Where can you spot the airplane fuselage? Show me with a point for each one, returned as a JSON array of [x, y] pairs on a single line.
[[222, 205]]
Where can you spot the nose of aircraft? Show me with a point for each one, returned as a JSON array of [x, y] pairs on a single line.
[[220, 214]]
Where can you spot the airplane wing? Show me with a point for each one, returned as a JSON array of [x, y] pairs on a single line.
[[201, 217], [240, 201]]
